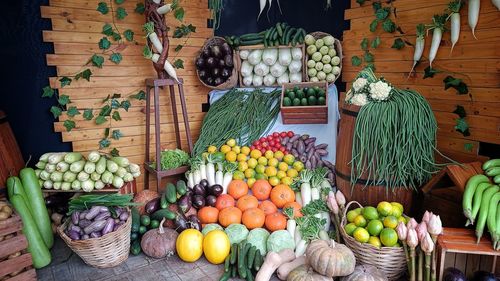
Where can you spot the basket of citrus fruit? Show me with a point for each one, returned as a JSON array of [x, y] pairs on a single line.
[[370, 232]]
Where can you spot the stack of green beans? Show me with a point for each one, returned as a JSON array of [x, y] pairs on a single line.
[[241, 115]]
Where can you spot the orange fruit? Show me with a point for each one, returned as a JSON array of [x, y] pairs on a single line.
[[276, 221], [253, 218], [296, 208], [237, 188], [268, 207], [229, 215], [247, 202], [261, 189], [208, 214], [224, 201], [282, 194]]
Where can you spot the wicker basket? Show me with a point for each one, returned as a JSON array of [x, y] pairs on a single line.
[[390, 260], [232, 81], [338, 48], [106, 251]]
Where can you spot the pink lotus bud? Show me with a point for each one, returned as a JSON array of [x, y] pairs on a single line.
[[434, 226], [402, 231], [427, 216], [332, 203], [427, 244], [421, 231], [340, 198], [411, 238], [412, 223]]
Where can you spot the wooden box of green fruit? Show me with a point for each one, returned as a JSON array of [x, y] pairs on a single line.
[[304, 103]]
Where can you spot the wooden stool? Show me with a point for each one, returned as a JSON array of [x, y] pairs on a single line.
[[156, 84], [463, 241]]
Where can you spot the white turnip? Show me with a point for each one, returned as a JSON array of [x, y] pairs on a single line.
[[474, 6]]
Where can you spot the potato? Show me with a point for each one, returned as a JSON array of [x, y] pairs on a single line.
[[4, 216], [7, 209]]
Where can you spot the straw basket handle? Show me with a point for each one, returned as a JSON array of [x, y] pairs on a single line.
[[344, 215]]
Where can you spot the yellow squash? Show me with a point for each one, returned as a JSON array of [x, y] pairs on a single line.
[[189, 245]]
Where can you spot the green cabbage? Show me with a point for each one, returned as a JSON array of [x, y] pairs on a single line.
[[258, 238], [209, 227], [236, 233], [280, 240]]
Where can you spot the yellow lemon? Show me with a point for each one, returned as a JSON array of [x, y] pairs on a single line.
[[262, 160], [273, 162], [245, 150], [397, 212], [242, 166], [281, 174], [360, 221], [225, 148], [351, 215], [241, 157], [255, 154], [251, 181], [282, 166], [260, 169], [374, 241], [260, 176], [388, 237], [398, 205], [212, 149], [231, 156], [236, 149], [238, 175], [231, 142], [189, 245], [269, 154], [390, 222], [252, 163], [271, 171], [249, 173], [292, 173], [279, 155], [287, 180], [349, 228], [289, 159], [384, 208], [360, 234], [297, 165], [274, 181], [216, 246]]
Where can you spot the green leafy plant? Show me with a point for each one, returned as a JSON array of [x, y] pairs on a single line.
[[461, 123]]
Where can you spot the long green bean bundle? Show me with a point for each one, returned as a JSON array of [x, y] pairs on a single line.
[[241, 115], [394, 141]]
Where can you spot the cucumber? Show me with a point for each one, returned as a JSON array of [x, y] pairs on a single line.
[[163, 201], [181, 187], [234, 253], [227, 263], [493, 172], [163, 213], [249, 275], [279, 30], [234, 271], [171, 193], [135, 247], [267, 34], [275, 34], [496, 179], [257, 262], [243, 249], [145, 220], [288, 35], [134, 236], [251, 256], [253, 42], [250, 36], [296, 37], [225, 276], [228, 40], [491, 163], [39, 212], [136, 220], [142, 229], [40, 254]]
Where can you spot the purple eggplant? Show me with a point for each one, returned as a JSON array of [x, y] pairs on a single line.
[[96, 234], [102, 216], [124, 216], [198, 189], [117, 225], [184, 203], [93, 212], [309, 140], [310, 154], [322, 152], [96, 226], [310, 147], [204, 183], [152, 206], [294, 138], [303, 158], [110, 224], [181, 223], [215, 189], [210, 200], [74, 235], [85, 236], [194, 222], [198, 201], [289, 146], [329, 165], [301, 147], [321, 146], [308, 165], [75, 217], [82, 215], [74, 228]]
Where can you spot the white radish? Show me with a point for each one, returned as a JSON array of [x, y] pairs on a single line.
[[298, 198], [290, 227], [474, 6], [297, 237], [149, 28], [164, 9], [314, 193], [262, 6], [203, 169], [219, 175], [156, 1], [454, 17], [210, 171], [196, 176], [437, 33], [419, 46], [190, 179], [167, 66], [300, 248], [305, 187], [326, 216], [229, 169], [496, 3]]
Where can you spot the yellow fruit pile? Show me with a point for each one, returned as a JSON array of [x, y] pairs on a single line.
[[275, 167], [376, 226]]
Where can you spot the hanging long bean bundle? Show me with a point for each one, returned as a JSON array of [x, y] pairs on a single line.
[[238, 114], [394, 141]]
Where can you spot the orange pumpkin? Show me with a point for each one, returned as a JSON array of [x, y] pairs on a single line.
[[253, 218], [276, 221], [208, 214], [237, 188], [224, 201], [229, 215], [296, 208], [247, 202], [282, 194], [268, 207], [261, 189]]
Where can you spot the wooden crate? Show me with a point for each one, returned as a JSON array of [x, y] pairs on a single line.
[[238, 61], [16, 243], [317, 114]]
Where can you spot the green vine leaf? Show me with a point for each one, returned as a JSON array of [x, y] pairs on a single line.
[[462, 126], [56, 111], [468, 146], [368, 56], [104, 43], [460, 111], [360, 2], [430, 72], [107, 29], [116, 116], [139, 8], [382, 13], [63, 100], [178, 63], [141, 95], [116, 36], [376, 5], [84, 74], [115, 104], [69, 125], [371, 65], [105, 110], [373, 25], [116, 134], [97, 60], [100, 120], [457, 84], [114, 152], [65, 81], [48, 92], [364, 44], [102, 7], [125, 105], [129, 35], [72, 111], [121, 13], [103, 143], [179, 14], [183, 30], [116, 58], [87, 114], [398, 44], [356, 61], [178, 48], [119, 2], [375, 42], [389, 26]]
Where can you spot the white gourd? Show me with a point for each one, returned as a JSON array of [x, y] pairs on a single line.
[[295, 77], [270, 56], [277, 70], [255, 57], [247, 81], [244, 54], [246, 69], [285, 56]]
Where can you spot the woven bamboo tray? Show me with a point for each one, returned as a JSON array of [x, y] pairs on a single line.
[[390, 260], [106, 251], [338, 48]]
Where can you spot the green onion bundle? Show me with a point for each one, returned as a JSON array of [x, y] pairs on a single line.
[[85, 202], [239, 114], [394, 141]]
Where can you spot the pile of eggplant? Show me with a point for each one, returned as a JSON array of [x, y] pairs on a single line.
[[203, 194], [215, 64], [95, 222]]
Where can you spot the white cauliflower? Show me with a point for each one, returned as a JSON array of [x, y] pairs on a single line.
[[359, 84], [359, 99], [380, 90]]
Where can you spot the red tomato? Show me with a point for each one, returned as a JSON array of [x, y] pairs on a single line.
[[272, 143], [259, 147], [269, 138], [276, 134], [290, 134], [256, 142], [277, 140], [263, 139], [264, 144], [252, 147], [283, 134], [278, 145], [282, 149], [263, 151], [274, 149]]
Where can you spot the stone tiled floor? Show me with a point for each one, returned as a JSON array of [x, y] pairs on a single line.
[[67, 266]]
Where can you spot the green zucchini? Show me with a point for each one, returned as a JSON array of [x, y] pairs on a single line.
[[257, 262], [171, 193], [251, 256], [135, 247], [249, 274], [14, 186], [278, 28], [163, 213], [225, 276], [243, 249], [253, 42], [136, 220], [163, 201], [39, 212], [181, 187], [227, 263], [234, 271], [40, 254], [234, 253], [288, 35]]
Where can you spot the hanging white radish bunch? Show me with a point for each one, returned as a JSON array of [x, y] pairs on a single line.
[[474, 6], [149, 29], [419, 46], [147, 53], [262, 4], [437, 27], [454, 17]]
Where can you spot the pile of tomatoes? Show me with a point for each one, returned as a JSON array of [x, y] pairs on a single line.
[[272, 142]]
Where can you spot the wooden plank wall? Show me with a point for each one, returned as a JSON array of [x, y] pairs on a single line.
[[76, 30], [478, 59]]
